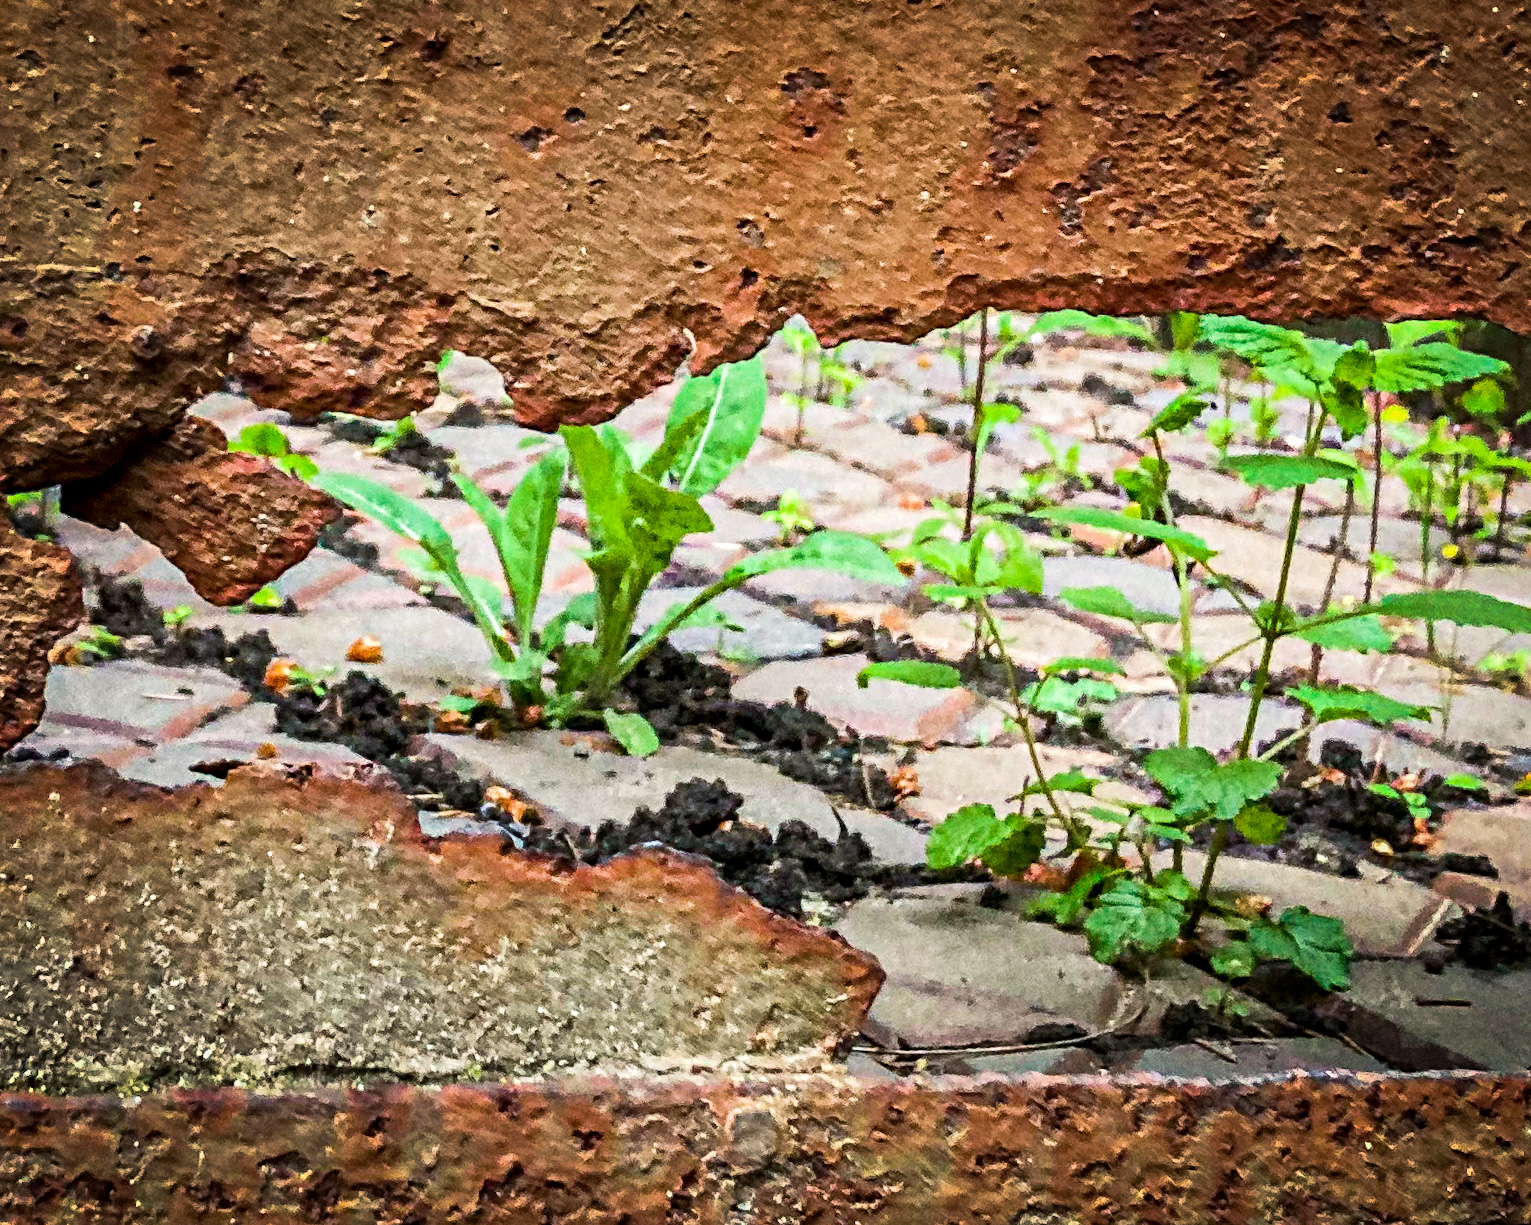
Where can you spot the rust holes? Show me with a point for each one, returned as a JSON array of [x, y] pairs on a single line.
[[533, 138], [574, 115], [750, 233], [434, 48]]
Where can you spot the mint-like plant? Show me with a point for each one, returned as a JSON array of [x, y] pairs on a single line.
[[268, 441], [1133, 909], [638, 513]]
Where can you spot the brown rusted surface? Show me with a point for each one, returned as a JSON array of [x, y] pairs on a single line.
[[290, 927], [230, 523], [40, 602], [1449, 1149]]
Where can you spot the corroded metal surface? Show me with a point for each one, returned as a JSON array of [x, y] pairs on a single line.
[[1448, 1149], [290, 927], [319, 198], [40, 602]]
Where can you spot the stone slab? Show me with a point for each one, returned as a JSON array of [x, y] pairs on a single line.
[[766, 633], [1275, 1058], [1482, 1016]]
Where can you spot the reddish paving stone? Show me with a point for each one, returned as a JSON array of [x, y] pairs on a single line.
[[825, 484], [905, 713]]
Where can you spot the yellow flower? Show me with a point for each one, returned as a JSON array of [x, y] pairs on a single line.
[[1448, 551]]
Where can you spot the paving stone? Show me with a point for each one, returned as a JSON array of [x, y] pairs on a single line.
[[820, 422], [952, 776], [767, 632], [959, 973], [83, 743], [1151, 588], [1215, 635], [426, 652], [495, 446], [1493, 1030], [1398, 754], [825, 484], [887, 451], [1217, 722], [1223, 494], [474, 379], [325, 580], [1503, 834], [1399, 538], [335, 456], [1033, 636], [231, 413], [118, 552], [1472, 714], [812, 590], [134, 699], [1275, 1058], [172, 765], [905, 713], [585, 782], [1392, 917]]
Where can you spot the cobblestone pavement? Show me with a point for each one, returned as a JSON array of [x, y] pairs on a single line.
[[877, 465]]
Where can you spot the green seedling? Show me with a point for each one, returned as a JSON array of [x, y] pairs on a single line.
[[791, 514], [638, 513], [268, 441], [176, 617], [267, 599]]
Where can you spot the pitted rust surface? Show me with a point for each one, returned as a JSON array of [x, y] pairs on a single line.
[[1449, 1149], [290, 929], [40, 602], [318, 199]]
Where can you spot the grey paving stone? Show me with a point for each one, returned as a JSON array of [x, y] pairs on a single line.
[[1493, 1028], [1503, 835], [133, 699], [952, 776], [1275, 1058], [83, 743], [474, 379], [1151, 588], [766, 633], [899, 712], [960, 973], [1217, 722], [584, 784]]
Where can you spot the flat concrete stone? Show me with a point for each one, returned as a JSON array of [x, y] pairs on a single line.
[[766, 633], [1148, 587], [1392, 917], [1217, 722], [1493, 1029], [823, 483], [426, 652], [82, 743], [583, 783], [1504, 836], [1274, 1058], [905, 713], [138, 700], [474, 379], [1033, 636], [1473, 714], [958, 973], [952, 776]]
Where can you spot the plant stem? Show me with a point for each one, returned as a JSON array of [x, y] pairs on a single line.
[[1340, 544], [976, 437], [1214, 852], [1504, 510], [1272, 629], [802, 399], [1182, 673], [1371, 545]]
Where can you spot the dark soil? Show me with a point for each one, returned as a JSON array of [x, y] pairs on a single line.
[[676, 692], [1094, 385], [702, 818], [336, 537], [1490, 939], [414, 449]]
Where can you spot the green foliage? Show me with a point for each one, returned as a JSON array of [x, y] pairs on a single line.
[[1135, 917], [1109, 602], [1191, 546], [176, 617], [713, 423], [1287, 471], [1093, 325], [1007, 847], [1347, 702], [633, 732], [911, 672], [1202, 785], [268, 441], [1362, 633], [1315, 944], [393, 434], [791, 514], [267, 599]]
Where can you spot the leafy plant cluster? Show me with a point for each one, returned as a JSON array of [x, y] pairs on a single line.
[[1127, 883], [569, 667]]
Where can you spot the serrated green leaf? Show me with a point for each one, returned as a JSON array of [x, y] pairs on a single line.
[[394, 511], [1423, 367], [1270, 471], [262, 438], [1233, 960], [1130, 917], [1260, 825], [1200, 784], [844, 552], [1109, 602], [633, 732], [1458, 607], [1080, 663], [1315, 944], [1484, 399], [1114, 521], [1464, 782], [964, 836], [1065, 908], [1021, 848], [1332, 702], [1362, 634], [1405, 332], [917, 672], [1276, 352]]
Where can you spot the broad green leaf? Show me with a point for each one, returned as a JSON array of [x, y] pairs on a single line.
[[296, 465], [526, 533], [964, 836], [1275, 351], [267, 598], [1285, 471], [1260, 825], [1355, 367], [1458, 607], [1233, 960], [1054, 696], [1094, 325], [911, 672], [1425, 366], [1018, 851], [1114, 521], [661, 518], [1109, 602], [1078, 663], [600, 469], [261, 438], [1315, 944], [1064, 908], [994, 414], [1200, 784], [1346, 702], [1177, 414], [633, 732], [1362, 634], [1129, 917], [844, 552], [730, 404], [394, 511]]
